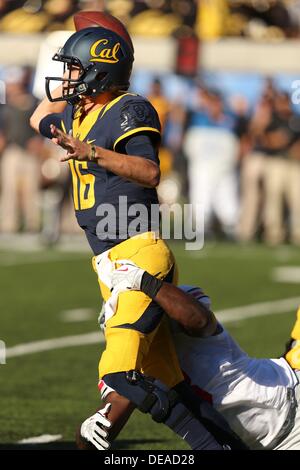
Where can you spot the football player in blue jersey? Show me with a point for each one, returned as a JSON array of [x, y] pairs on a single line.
[[111, 138]]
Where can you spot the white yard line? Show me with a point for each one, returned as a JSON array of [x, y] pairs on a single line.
[[287, 274], [96, 337], [257, 310], [43, 439], [77, 315]]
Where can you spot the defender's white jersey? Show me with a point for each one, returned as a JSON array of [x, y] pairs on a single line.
[[254, 395]]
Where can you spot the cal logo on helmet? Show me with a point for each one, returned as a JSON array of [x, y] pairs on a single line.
[[107, 55]]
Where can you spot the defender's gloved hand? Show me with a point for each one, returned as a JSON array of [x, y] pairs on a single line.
[[94, 429], [128, 276]]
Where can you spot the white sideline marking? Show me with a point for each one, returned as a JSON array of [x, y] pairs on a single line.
[[77, 315], [43, 439], [96, 337], [257, 310], [287, 274]]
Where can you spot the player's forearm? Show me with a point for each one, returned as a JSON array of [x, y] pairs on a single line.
[[119, 413], [195, 318], [137, 169], [47, 107]]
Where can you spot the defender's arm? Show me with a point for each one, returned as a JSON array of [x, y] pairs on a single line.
[[191, 314], [100, 429], [196, 319]]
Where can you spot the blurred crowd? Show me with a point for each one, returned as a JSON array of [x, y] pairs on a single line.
[[244, 165], [34, 186], [208, 19], [237, 163]]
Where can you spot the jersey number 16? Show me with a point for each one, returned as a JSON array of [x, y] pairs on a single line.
[[83, 186]]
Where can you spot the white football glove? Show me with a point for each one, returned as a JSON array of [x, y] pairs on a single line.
[[94, 429], [127, 277]]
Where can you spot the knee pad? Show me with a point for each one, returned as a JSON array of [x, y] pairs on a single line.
[[148, 394]]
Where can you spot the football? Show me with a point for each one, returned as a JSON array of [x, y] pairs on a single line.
[[86, 19]]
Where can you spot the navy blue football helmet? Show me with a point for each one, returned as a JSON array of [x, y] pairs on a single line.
[[104, 60]]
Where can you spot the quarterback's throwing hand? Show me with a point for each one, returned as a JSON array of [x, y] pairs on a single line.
[[76, 149], [95, 428]]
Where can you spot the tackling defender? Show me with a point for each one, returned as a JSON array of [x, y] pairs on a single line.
[[260, 398], [92, 106]]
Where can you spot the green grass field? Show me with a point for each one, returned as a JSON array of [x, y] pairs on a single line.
[[50, 392]]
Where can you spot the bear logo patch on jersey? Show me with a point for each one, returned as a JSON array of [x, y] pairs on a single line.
[[136, 114]]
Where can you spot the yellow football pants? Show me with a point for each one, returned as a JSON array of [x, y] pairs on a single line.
[[138, 336], [293, 356]]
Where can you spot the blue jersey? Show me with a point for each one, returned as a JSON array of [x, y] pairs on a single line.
[[99, 195]]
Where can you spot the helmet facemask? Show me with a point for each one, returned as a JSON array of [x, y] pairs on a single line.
[[72, 88]]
